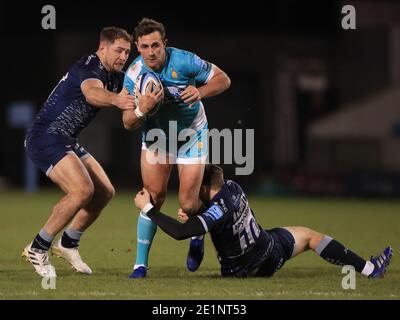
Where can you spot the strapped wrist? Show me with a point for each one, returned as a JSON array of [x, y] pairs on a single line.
[[147, 208], [139, 114]]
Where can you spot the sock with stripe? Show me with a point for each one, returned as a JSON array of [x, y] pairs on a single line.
[[42, 240], [335, 253], [71, 238]]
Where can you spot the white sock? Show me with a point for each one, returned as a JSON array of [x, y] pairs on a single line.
[[368, 268], [138, 265]]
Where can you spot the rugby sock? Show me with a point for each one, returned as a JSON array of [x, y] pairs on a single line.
[[42, 241], [198, 237], [335, 253], [146, 230], [70, 238]]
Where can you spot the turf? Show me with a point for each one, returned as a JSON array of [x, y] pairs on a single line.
[[364, 225]]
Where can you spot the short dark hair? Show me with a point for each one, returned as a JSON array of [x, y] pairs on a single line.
[[110, 34], [147, 26], [213, 176]]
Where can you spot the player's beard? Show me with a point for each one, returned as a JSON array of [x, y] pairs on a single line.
[[117, 67]]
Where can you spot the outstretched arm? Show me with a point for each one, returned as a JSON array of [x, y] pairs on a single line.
[[171, 226], [97, 96]]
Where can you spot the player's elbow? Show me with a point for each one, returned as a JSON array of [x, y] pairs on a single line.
[[90, 97], [181, 234], [227, 81], [224, 82], [128, 126]]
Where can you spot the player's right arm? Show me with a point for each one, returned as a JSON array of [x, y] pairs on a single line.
[[133, 118], [99, 97]]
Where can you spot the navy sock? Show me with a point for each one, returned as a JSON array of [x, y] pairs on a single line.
[[335, 253], [69, 242], [40, 243]]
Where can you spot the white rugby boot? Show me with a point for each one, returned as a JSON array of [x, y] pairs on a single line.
[[40, 261], [72, 256]]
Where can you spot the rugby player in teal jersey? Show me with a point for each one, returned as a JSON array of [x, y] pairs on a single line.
[[186, 79]]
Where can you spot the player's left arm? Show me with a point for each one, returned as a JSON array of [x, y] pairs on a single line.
[[172, 227], [218, 83], [209, 79]]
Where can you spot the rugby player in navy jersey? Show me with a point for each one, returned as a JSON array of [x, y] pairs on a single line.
[[243, 247], [92, 83]]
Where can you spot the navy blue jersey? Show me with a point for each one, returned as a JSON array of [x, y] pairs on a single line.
[[66, 111], [241, 243]]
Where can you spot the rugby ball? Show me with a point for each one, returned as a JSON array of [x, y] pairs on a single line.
[[144, 82]]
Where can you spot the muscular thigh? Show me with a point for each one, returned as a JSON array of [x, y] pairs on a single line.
[[70, 174], [101, 182], [301, 237], [190, 178], [155, 175]]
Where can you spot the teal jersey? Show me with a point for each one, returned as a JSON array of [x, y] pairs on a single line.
[[181, 69]]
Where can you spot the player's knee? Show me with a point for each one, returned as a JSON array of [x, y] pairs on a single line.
[[190, 207], [158, 199], [315, 238], [83, 194], [109, 193]]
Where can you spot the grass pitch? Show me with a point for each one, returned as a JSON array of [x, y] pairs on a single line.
[[364, 225]]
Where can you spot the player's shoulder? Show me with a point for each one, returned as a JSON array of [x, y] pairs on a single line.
[[90, 61], [233, 185], [180, 57], [187, 62], [135, 68], [176, 52]]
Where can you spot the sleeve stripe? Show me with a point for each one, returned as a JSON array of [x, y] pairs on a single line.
[[203, 222], [92, 79], [211, 74]]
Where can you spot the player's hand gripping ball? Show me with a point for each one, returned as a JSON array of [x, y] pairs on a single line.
[[148, 82]]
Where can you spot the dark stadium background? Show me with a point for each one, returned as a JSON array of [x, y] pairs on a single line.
[[291, 65]]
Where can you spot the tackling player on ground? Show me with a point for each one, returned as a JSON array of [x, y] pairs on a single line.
[[243, 247]]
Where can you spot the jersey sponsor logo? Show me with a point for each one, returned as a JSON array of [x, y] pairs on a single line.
[[174, 74], [215, 212]]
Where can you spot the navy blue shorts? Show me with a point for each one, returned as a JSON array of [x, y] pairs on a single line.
[[281, 252], [46, 150]]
